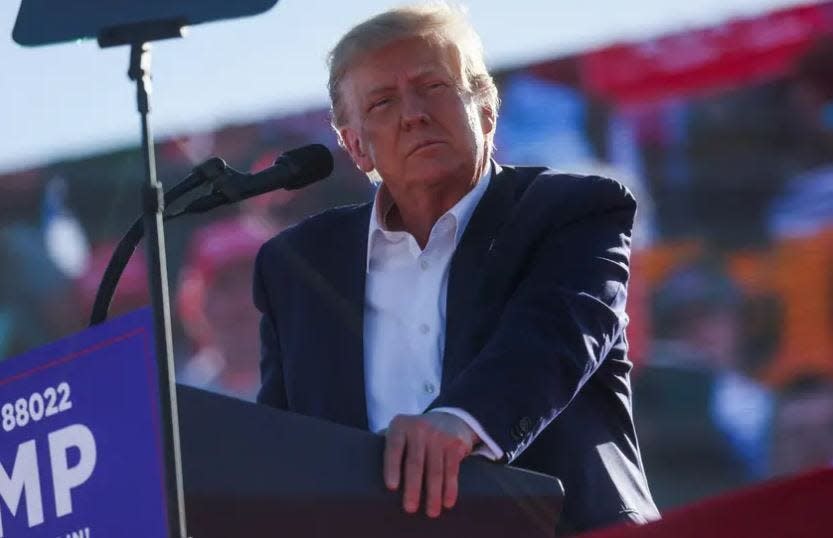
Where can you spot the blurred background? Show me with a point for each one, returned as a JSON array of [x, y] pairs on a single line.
[[719, 118]]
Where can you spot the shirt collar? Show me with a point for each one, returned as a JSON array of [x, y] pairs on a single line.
[[461, 212]]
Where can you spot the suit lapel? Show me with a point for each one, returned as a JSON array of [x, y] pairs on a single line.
[[347, 264], [468, 266]]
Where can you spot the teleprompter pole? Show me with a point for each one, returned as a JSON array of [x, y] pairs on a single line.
[[136, 24], [153, 206]]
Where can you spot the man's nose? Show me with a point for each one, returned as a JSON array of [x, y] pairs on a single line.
[[414, 111]]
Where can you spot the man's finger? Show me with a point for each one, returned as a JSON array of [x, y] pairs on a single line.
[[414, 466], [451, 475], [394, 448], [434, 468]]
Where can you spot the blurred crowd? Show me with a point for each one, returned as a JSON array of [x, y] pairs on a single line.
[[731, 295]]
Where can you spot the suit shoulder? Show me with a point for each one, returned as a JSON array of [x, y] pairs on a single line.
[[598, 187], [547, 185], [325, 226]]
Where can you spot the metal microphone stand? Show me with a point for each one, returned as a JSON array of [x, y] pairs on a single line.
[[138, 36], [42, 22]]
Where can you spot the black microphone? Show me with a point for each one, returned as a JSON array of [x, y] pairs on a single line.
[[292, 170]]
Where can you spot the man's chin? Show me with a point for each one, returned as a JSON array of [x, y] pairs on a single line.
[[434, 175]]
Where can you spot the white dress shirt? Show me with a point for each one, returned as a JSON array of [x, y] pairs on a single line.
[[404, 314]]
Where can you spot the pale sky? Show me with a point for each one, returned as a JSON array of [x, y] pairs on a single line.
[[74, 99]]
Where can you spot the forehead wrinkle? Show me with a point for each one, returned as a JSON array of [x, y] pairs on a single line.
[[430, 70], [382, 88]]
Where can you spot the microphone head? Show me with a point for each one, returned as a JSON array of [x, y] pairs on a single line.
[[308, 164]]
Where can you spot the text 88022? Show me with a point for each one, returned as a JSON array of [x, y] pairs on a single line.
[[36, 407]]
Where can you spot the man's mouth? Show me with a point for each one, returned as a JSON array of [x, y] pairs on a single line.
[[424, 144]]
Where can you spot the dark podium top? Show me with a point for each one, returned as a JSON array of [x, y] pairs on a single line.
[[252, 471]]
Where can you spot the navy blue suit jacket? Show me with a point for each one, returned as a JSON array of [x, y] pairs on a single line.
[[535, 331]]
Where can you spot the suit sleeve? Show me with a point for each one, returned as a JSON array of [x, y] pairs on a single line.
[[272, 391], [557, 326]]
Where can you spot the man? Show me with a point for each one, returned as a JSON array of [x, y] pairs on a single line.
[[213, 306], [471, 308]]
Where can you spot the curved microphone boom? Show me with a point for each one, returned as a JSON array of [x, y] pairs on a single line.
[[294, 169]]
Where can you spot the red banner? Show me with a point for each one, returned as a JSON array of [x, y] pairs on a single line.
[[738, 52], [797, 507]]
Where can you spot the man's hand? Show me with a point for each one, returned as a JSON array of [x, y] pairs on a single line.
[[433, 446]]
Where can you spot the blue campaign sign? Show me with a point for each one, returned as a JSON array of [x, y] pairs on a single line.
[[80, 436]]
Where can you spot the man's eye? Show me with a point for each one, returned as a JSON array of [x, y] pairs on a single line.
[[379, 103]]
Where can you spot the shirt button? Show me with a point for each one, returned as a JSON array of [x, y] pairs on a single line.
[[423, 264], [423, 328], [429, 387]]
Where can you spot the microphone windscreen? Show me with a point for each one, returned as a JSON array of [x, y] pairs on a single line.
[[311, 163]]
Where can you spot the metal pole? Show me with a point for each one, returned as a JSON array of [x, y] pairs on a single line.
[[153, 206]]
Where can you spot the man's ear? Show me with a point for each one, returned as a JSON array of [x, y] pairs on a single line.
[[487, 120], [353, 144]]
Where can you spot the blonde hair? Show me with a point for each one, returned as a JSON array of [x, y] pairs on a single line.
[[437, 23]]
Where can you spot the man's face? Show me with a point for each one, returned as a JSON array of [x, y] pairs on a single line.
[[408, 118]]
